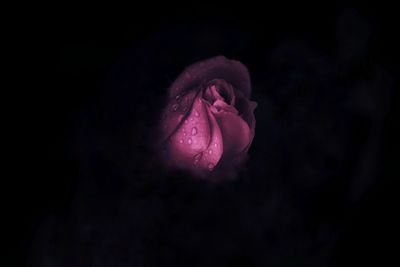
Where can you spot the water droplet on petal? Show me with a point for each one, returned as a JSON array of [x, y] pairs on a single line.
[[175, 107], [194, 131], [189, 141], [184, 108], [196, 113], [210, 166], [186, 122], [178, 97], [215, 144], [191, 119], [210, 151], [181, 141], [197, 158]]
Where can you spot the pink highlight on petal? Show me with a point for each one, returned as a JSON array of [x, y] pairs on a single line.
[[173, 118], [204, 132]]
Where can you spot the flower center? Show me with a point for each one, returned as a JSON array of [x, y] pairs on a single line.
[[224, 94], [219, 90], [220, 95]]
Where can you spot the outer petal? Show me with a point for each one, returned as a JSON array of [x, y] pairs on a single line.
[[177, 109], [197, 144], [246, 109], [219, 67], [235, 131]]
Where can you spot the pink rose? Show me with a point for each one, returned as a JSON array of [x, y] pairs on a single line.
[[208, 124]]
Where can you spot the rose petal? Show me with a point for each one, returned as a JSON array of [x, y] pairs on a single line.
[[189, 147], [174, 114], [211, 94], [219, 90], [247, 108], [235, 131], [219, 67], [225, 90], [222, 106]]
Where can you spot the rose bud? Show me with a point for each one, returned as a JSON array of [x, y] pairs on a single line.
[[208, 124]]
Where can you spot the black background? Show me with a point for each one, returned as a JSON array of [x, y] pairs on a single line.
[[318, 187]]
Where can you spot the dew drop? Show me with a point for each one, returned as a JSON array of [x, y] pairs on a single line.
[[210, 151], [184, 108], [181, 141], [210, 166], [194, 131], [215, 144], [175, 107], [186, 121], [197, 158], [178, 97], [191, 119], [196, 113], [189, 141]]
